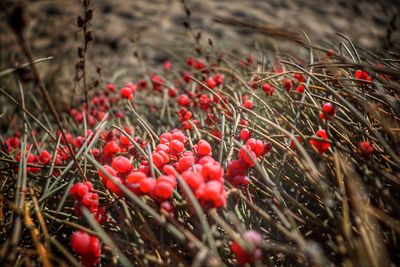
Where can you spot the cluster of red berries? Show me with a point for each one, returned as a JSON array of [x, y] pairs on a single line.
[[288, 84], [247, 62], [85, 197], [365, 149], [236, 172], [362, 75], [200, 171], [44, 157], [250, 254], [320, 145], [88, 247], [247, 103], [11, 143], [115, 143], [101, 103], [127, 91], [328, 111], [299, 81]]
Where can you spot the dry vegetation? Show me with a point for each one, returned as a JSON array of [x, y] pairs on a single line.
[[211, 158]]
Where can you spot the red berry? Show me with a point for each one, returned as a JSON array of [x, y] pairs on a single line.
[[113, 187], [183, 100], [91, 201], [167, 179], [366, 149], [258, 148], [240, 181], [179, 135], [244, 134], [211, 82], [167, 65], [358, 74], [248, 104], [213, 191], [236, 167], [109, 170], [204, 148], [162, 147], [101, 216], [321, 146], [186, 76], [126, 92], [147, 185], [135, 177], [212, 171], [163, 190], [242, 255], [167, 206], [111, 87], [79, 190], [193, 179], [299, 77], [219, 79], [247, 157], [157, 159], [124, 140], [206, 159], [80, 242], [111, 148], [169, 170], [288, 84], [164, 156], [172, 92], [185, 163], [45, 157], [268, 89], [328, 108], [300, 88], [121, 164]]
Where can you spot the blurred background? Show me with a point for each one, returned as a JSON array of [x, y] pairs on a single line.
[[154, 29]]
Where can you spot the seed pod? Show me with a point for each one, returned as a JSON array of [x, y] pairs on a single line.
[[89, 15], [79, 65], [188, 12], [98, 69], [89, 36], [79, 21], [198, 36], [18, 19], [80, 52]]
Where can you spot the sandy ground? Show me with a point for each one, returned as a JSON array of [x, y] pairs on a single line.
[[149, 26]]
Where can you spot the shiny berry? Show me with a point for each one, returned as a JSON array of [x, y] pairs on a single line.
[[80, 242], [126, 92], [203, 148], [147, 185], [366, 149], [121, 164], [321, 146], [244, 134]]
